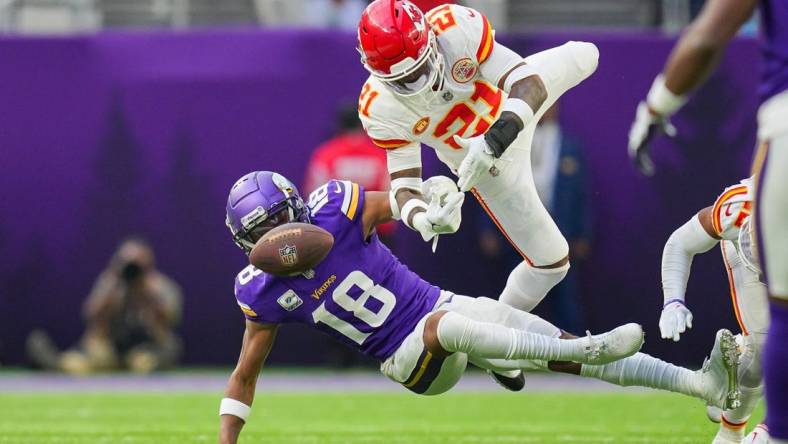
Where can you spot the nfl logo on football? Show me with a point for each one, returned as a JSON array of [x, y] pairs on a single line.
[[289, 255]]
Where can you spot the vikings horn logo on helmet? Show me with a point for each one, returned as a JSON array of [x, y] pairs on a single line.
[[282, 183]]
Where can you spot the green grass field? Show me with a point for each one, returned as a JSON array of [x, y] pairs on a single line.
[[120, 418]]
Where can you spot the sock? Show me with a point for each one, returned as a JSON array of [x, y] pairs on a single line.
[[457, 333], [734, 421], [731, 430], [527, 285], [775, 372], [644, 370]]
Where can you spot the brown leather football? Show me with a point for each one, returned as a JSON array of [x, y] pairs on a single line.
[[291, 249]]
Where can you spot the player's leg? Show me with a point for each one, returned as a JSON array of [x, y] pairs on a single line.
[[511, 201], [639, 369], [450, 331], [418, 370], [748, 295], [772, 213]]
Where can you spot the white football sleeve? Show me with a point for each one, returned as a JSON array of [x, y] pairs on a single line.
[[404, 158], [687, 241]]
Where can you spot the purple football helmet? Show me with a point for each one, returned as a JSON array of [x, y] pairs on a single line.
[[258, 202]]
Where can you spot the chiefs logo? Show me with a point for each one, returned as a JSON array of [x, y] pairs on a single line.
[[463, 70], [421, 125]]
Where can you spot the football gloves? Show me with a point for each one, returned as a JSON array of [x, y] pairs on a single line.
[[645, 128], [477, 162], [674, 320]]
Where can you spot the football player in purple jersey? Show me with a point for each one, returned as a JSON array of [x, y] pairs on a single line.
[[692, 60], [423, 336]]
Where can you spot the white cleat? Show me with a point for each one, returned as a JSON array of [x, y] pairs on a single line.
[[616, 344], [759, 435], [714, 413], [719, 375]]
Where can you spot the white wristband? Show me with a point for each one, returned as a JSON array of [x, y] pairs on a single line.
[[424, 227], [395, 213], [520, 108], [408, 208], [234, 407], [662, 100], [411, 183]]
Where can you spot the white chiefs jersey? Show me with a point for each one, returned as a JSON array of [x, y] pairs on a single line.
[[468, 104], [731, 218], [732, 209]]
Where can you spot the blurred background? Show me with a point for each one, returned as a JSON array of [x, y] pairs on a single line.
[[127, 121]]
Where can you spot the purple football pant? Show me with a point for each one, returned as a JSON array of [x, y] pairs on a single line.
[[772, 225]]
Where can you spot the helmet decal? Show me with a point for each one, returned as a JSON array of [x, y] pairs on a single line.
[[415, 15], [283, 184], [253, 217]]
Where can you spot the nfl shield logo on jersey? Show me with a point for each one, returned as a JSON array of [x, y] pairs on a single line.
[[289, 255], [290, 300]]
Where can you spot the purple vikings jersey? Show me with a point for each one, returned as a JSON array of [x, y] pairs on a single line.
[[774, 47], [360, 294]]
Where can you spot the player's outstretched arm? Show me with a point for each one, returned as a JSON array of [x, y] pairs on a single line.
[[429, 216], [234, 410], [694, 237], [533, 84], [694, 57], [377, 210]]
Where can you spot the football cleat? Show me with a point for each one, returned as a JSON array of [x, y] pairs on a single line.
[[759, 435], [719, 374], [616, 344], [512, 383], [714, 414]]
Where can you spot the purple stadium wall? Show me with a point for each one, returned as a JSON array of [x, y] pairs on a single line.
[[101, 136]]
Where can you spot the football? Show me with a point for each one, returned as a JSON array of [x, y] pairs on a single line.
[[291, 249]]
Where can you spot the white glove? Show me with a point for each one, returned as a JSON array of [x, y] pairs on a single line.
[[477, 162], [675, 319], [645, 128], [438, 187], [440, 218]]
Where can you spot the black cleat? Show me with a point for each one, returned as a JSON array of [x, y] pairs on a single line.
[[513, 384]]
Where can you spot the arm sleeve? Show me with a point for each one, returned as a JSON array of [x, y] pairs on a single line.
[[687, 241], [500, 61], [404, 158], [563, 67]]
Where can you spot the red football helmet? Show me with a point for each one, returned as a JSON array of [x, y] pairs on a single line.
[[398, 47]]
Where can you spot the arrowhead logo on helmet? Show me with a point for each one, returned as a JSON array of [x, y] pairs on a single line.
[[399, 48]]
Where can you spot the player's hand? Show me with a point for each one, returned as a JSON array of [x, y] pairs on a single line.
[[446, 216], [645, 128], [438, 188], [477, 162], [675, 320]]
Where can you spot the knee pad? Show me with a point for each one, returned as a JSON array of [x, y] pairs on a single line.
[[527, 285], [451, 371]]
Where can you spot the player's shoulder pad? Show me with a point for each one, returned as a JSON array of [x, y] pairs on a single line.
[[463, 29], [731, 208], [336, 197], [385, 119]]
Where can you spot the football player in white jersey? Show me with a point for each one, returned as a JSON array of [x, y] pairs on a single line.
[[727, 223], [441, 79]]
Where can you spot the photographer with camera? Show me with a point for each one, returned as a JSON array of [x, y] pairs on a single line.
[[130, 318]]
